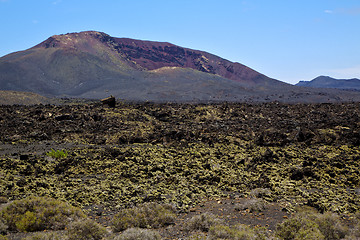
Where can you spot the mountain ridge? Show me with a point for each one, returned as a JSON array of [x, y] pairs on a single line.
[[329, 82]]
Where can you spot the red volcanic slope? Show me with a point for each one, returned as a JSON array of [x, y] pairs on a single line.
[[150, 55]]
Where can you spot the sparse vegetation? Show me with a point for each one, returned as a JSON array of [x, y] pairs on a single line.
[[197, 236], [47, 236], [137, 234], [299, 227], [253, 205], [148, 215], [3, 226], [86, 229], [303, 159], [330, 226], [354, 233], [260, 193], [309, 225], [202, 222], [239, 232]]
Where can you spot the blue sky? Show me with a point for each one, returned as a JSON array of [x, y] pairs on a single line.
[[290, 40]]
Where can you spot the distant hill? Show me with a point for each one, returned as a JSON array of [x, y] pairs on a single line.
[[95, 65], [328, 82]]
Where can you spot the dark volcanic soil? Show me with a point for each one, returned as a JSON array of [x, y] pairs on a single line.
[[199, 158]]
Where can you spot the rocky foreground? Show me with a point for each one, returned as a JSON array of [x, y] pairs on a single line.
[[194, 157]]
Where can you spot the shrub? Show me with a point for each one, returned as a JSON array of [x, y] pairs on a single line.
[[3, 237], [39, 213], [239, 232], [354, 233], [311, 224], [3, 200], [330, 226], [197, 236], [225, 232], [202, 222], [58, 153], [260, 192], [3, 226], [86, 230], [138, 233], [254, 205], [47, 236], [148, 215], [298, 227]]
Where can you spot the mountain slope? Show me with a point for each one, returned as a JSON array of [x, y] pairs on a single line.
[[82, 64], [58, 70], [328, 82], [163, 85], [148, 55], [94, 65]]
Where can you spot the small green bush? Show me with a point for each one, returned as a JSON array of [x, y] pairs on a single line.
[[58, 153], [148, 215], [202, 222], [86, 230], [137, 234], [300, 228], [39, 213]]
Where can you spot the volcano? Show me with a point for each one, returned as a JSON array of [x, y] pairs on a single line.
[[95, 65]]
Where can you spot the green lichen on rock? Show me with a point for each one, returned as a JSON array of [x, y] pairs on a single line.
[[302, 154]]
